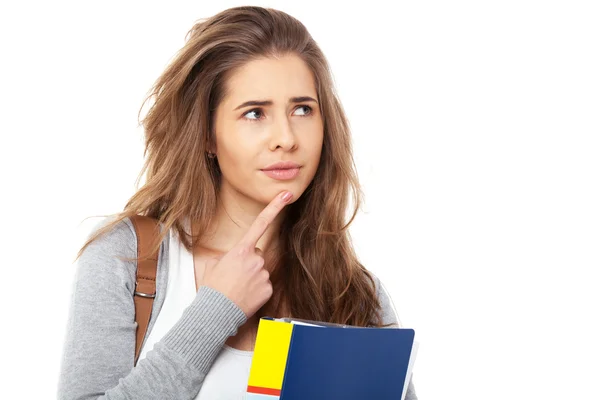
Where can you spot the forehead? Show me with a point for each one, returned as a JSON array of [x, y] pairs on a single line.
[[274, 79]]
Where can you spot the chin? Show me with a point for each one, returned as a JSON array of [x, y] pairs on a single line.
[[267, 194]]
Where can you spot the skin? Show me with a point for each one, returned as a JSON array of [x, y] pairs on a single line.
[[253, 137], [250, 138]]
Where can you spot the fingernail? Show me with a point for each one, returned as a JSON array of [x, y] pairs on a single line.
[[286, 196]]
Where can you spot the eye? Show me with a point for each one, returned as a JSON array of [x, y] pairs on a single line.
[[256, 111], [308, 112]]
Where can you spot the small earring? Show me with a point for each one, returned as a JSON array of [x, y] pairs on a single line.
[[211, 155]]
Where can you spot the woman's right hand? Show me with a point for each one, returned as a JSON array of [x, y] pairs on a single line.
[[240, 274]]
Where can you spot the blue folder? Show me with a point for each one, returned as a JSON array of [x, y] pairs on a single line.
[[343, 362]]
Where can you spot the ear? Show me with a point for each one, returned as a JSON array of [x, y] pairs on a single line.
[[211, 146]]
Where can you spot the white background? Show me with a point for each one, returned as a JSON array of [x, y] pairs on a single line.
[[476, 130]]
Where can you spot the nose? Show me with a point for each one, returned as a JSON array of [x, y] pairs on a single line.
[[282, 135]]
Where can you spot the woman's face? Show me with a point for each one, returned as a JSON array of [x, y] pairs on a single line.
[[269, 114]]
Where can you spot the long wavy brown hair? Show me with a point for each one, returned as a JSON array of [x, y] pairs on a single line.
[[317, 272]]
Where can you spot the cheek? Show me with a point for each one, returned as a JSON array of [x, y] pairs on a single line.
[[313, 143], [235, 160]]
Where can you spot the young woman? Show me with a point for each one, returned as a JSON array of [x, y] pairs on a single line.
[[249, 167]]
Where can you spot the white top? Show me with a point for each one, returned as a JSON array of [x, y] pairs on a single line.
[[227, 378]]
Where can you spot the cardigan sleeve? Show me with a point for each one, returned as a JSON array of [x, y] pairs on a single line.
[[98, 351], [390, 316]]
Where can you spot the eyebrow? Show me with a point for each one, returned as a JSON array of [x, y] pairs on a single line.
[[300, 99]]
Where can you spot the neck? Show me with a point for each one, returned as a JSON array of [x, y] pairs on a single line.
[[235, 213]]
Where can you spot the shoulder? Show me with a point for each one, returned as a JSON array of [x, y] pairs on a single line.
[[104, 258], [109, 260], [387, 310], [120, 237]]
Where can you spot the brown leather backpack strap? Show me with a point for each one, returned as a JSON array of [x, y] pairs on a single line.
[[146, 229]]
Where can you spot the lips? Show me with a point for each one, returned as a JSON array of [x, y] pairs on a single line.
[[282, 174], [282, 165], [282, 170]]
